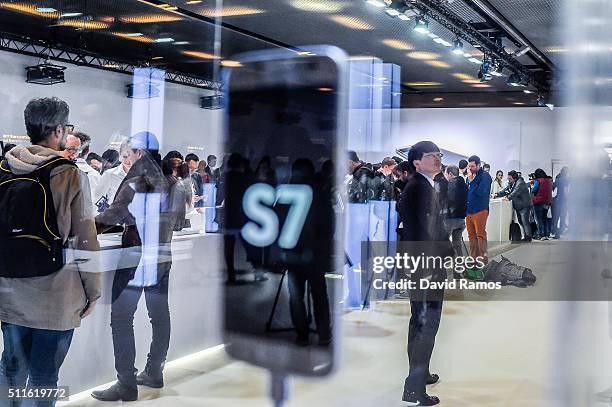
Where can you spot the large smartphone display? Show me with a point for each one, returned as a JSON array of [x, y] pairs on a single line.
[[280, 229]]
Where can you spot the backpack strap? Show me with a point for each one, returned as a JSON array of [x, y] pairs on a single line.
[[4, 166]]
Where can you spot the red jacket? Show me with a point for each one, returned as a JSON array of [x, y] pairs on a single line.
[[543, 195]]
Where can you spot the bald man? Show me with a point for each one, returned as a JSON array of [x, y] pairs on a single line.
[[71, 148]]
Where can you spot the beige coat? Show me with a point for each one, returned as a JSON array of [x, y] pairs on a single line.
[[55, 301]]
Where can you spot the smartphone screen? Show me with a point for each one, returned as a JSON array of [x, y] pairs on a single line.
[[279, 224]]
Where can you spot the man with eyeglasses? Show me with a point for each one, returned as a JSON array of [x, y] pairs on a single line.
[[424, 231], [71, 147]]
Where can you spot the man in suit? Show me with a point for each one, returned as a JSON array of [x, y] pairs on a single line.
[[424, 228]]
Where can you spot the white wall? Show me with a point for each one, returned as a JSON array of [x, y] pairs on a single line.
[[507, 138], [99, 106]]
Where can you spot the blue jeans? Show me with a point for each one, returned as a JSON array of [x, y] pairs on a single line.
[[541, 212], [34, 356]]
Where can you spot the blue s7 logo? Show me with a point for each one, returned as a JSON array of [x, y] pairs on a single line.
[[262, 229]]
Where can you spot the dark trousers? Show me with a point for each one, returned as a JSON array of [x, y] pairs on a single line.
[[423, 327], [559, 219], [34, 356], [541, 212], [125, 302], [297, 279], [229, 245], [523, 218]]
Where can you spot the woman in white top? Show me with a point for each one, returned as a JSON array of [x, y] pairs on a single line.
[[498, 183], [106, 189]]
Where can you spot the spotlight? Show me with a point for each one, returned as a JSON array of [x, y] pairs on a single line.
[[498, 67], [422, 25], [45, 74], [395, 7], [457, 47], [376, 3], [515, 80], [484, 74]]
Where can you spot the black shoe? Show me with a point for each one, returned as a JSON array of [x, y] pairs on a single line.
[[526, 239], [116, 392], [432, 378], [153, 381], [423, 400]]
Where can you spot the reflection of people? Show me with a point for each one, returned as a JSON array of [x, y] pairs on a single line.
[[314, 247], [232, 189], [39, 314], [423, 222], [456, 207], [112, 178], [142, 202], [517, 191], [542, 199]]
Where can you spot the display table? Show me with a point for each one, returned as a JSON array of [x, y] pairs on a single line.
[[498, 223]]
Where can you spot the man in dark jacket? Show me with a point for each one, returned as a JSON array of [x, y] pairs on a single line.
[[143, 201], [360, 187], [479, 194], [542, 199], [423, 226], [456, 207], [517, 191]]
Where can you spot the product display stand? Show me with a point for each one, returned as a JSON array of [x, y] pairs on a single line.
[[278, 388], [277, 297]]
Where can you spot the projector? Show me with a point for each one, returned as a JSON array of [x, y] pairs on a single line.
[[45, 74], [211, 102]]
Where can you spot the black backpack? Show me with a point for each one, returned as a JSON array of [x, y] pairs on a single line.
[[515, 232], [30, 243]]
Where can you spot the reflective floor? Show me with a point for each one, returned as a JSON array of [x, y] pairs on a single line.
[[487, 354]]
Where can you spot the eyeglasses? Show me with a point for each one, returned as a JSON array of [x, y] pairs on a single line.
[[69, 128], [439, 155]]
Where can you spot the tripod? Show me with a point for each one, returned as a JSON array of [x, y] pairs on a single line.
[[269, 327]]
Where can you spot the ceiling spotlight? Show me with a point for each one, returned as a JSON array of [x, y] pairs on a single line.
[[527, 91], [422, 25], [498, 67], [165, 39], [392, 12], [457, 47], [443, 42], [514, 80], [484, 74]]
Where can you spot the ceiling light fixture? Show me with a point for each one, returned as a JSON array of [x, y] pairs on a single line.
[[475, 61], [514, 80], [443, 42], [164, 39], [457, 47], [527, 91], [484, 74], [376, 3], [69, 15], [133, 35], [46, 10], [181, 43], [422, 25]]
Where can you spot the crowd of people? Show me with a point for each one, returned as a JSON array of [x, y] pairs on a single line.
[[55, 195], [540, 204]]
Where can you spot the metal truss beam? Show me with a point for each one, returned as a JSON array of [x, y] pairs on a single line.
[[36, 48], [438, 11]]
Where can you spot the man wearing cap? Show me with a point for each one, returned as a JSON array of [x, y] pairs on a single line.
[[422, 219], [479, 193], [141, 203]]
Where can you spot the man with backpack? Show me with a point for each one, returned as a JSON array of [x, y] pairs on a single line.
[[45, 203]]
